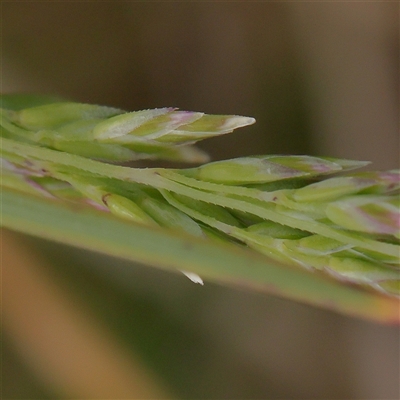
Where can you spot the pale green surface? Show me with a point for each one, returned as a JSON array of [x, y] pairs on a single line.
[[288, 208], [87, 228]]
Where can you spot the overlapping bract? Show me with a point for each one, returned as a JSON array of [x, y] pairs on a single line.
[[114, 135], [263, 169], [350, 232], [292, 208]]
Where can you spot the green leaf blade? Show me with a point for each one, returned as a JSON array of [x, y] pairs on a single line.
[[226, 264], [285, 207]]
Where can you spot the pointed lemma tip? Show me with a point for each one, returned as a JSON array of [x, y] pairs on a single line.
[[237, 121], [244, 121]]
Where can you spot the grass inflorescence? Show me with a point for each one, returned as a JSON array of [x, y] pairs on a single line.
[[315, 213]]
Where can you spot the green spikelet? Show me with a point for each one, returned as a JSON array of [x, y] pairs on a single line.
[[51, 116], [291, 208], [368, 213], [250, 170]]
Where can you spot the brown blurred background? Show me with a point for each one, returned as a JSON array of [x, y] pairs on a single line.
[[320, 78]]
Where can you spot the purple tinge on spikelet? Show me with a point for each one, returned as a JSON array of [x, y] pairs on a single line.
[[367, 213], [261, 169]]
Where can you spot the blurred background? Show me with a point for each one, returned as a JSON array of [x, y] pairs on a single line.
[[320, 78]]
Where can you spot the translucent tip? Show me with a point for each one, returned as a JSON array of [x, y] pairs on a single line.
[[193, 277]]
